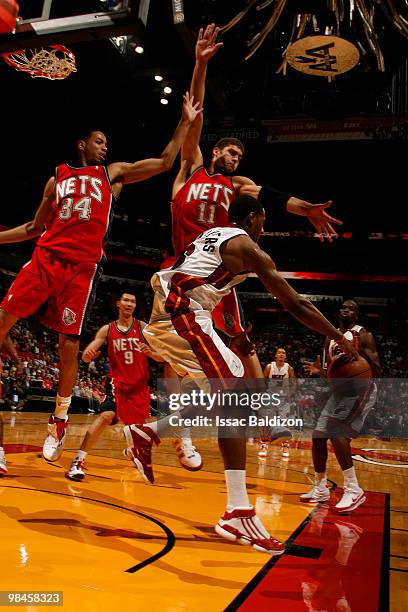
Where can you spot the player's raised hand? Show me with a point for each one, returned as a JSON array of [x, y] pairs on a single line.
[[313, 368], [206, 46], [190, 110], [322, 221]]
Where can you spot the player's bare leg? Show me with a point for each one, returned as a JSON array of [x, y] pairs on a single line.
[[239, 522], [94, 432], [353, 495], [233, 451], [319, 492], [342, 450], [319, 455], [57, 425], [7, 321], [3, 465], [252, 366], [68, 352]]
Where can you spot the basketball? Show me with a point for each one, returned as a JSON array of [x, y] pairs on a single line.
[[358, 368]]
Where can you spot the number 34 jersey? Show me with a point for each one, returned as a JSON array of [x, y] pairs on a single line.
[[201, 204], [128, 366], [82, 209]]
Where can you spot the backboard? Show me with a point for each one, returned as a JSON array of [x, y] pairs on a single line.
[[49, 22]]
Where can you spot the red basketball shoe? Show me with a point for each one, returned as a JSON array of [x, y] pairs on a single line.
[[243, 526], [55, 440], [140, 440]]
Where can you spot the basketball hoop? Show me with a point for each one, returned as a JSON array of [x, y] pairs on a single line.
[[56, 62]]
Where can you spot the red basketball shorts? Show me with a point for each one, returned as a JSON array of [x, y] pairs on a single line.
[[67, 287], [130, 405]]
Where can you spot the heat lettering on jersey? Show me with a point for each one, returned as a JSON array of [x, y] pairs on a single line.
[[210, 241], [213, 192]]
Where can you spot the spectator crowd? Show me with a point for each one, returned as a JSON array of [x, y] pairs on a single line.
[[38, 350]]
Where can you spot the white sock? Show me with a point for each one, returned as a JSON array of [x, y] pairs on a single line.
[[321, 479], [185, 434], [81, 455], [236, 489], [62, 406], [350, 477], [1, 450]]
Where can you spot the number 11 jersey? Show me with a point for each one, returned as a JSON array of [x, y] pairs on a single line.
[[201, 204]]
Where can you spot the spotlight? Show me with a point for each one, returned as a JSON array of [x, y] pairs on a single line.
[[157, 77], [139, 49], [167, 90], [164, 101]]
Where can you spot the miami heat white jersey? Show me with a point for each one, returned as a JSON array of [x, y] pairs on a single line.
[[198, 280], [351, 334], [279, 373]]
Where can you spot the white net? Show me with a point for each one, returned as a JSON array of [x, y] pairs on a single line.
[[57, 62]]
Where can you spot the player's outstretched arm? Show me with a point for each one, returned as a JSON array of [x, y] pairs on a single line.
[[33, 228], [121, 173], [316, 213], [298, 306], [206, 48], [92, 350], [247, 255]]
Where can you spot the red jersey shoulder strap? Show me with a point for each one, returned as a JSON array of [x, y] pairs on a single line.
[[139, 328], [106, 173], [202, 167]]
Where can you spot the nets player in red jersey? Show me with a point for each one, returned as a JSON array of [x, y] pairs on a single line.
[[202, 194], [76, 212], [10, 349], [127, 393]]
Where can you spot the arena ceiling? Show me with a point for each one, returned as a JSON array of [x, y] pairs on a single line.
[[117, 92]]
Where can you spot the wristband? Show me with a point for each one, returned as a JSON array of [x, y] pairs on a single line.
[[271, 197]]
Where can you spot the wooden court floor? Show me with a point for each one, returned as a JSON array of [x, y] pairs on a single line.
[[114, 543]]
